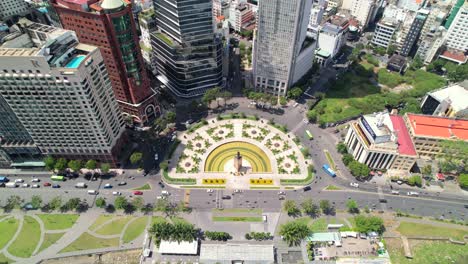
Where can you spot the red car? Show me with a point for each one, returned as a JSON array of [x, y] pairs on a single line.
[[138, 193], [46, 184]]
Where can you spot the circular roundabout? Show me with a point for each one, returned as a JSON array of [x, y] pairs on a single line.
[[237, 153]]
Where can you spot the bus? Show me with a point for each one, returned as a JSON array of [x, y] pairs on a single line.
[[57, 178], [328, 170], [3, 179], [309, 135]]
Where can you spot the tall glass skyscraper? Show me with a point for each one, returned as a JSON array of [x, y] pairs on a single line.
[[188, 53]]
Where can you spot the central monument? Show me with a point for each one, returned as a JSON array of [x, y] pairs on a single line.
[[238, 163]]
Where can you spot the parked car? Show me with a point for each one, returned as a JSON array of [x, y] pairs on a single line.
[[413, 194], [226, 197], [2, 185], [395, 192], [138, 193], [307, 188], [92, 192], [156, 156], [237, 191], [55, 186], [209, 190], [107, 186], [161, 184], [166, 193], [35, 180], [281, 193], [399, 182], [25, 185], [354, 184], [146, 253], [282, 198], [19, 180], [122, 183], [116, 193], [35, 186], [47, 184]]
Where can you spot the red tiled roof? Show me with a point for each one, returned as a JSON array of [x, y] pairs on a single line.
[[457, 56], [440, 127], [405, 144]]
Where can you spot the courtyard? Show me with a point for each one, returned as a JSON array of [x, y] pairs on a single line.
[[239, 153]]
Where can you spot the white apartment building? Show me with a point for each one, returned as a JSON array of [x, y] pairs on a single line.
[[10, 8], [334, 3], [384, 32], [279, 42], [60, 91], [316, 15], [240, 15], [330, 39], [363, 11], [457, 35], [217, 11]]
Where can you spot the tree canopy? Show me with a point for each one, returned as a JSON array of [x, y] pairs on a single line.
[[135, 158], [293, 232], [61, 164], [365, 224], [91, 164]]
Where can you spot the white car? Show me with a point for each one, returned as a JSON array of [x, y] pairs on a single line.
[[413, 194], [35, 180], [35, 186], [237, 191], [116, 193], [25, 185], [156, 156], [209, 190], [281, 193], [159, 197], [395, 192], [165, 193], [19, 180], [353, 184], [399, 182]]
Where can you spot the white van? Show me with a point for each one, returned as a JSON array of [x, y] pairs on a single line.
[[264, 217], [92, 192], [165, 193]]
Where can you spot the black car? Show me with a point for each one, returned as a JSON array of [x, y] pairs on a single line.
[[2, 185], [383, 200], [161, 185], [307, 188], [226, 197]]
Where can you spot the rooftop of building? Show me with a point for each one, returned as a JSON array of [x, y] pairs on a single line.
[[397, 60], [330, 28], [456, 94], [405, 144], [338, 20], [174, 247], [245, 251], [324, 237], [438, 127], [456, 56], [380, 123]]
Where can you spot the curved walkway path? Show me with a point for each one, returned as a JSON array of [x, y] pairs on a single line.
[[41, 239], [5, 249]]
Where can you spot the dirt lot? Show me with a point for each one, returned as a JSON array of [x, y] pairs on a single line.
[[121, 257]]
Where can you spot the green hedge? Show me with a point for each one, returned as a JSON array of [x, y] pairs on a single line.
[[179, 181], [306, 181]]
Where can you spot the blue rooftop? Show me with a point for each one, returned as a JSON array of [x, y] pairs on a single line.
[[75, 62]]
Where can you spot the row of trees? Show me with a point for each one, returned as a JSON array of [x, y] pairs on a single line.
[[259, 236], [76, 165], [36, 202], [308, 207], [179, 231], [218, 236], [215, 93], [357, 169], [164, 122], [266, 98]]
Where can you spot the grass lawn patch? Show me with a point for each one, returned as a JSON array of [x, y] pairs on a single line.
[[143, 188], [49, 239], [135, 229], [332, 188], [7, 230], [100, 220], [308, 180], [176, 219], [179, 181], [87, 241], [319, 225], [289, 188], [264, 188], [58, 221], [157, 219], [330, 159], [238, 210], [414, 229], [237, 219], [431, 252], [27, 240], [5, 260], [115, 227]]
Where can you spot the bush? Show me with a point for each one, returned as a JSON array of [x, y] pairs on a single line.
[[463, 180], [415, 180], [341, 148], [347, 158], [219, 236], [358, 170], [365, 224]]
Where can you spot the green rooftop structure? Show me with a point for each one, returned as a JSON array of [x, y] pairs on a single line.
[[454, 13]]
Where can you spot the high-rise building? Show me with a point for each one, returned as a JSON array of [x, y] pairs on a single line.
[[363, 11], [9, 8], [60, 91], [454, 12], [331, 38], [458, 31], [188, 53], [109, 25], [384, 32], [316, 14], [241, 16], [281, 52], [411, 32], [147, 24]]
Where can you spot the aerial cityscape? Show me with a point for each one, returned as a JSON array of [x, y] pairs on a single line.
[[233, 131]]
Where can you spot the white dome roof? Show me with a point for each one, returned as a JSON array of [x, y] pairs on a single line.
[[112, 4]]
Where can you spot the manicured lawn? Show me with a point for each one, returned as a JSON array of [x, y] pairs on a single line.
[[432, 252], [238, 210], [332, 188], [157, 219], [58, 221], [135, 229], [100, 220], [176, 219], [115, 227], [330, 160], [7, 230], [413, 229], [50, 239], [319, 225], [310, 177], [237, 219], [143, 188], [87, 241], [27, 240], [5, 260]]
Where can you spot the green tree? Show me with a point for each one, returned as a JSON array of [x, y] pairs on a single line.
[[171, 117], [138, 202], [326, 207], [352, 206], [210, 95], [55, 203], [135, 158], [358, 170], [14, 201], [294, 93], [164, 165], [61, 164], [463, 180], [417, 63], [391, 50], [75, 165], [105, 168], [226, 95], [91, 164], [283, 101], [309, 208], [347, 158], [73, 203], [164, 206], [291, 208], [365, 224], [294, 232], [120, 203], [427, 170], [454, 153], [36, 201], [100, 202], [341, 148], [49, 162], [312, 116]]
